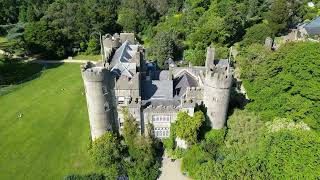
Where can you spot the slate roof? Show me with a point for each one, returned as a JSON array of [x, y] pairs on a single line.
[[160, 75], [313, 27], [183, 82], [157, 89], [121, 62], [161, 102]]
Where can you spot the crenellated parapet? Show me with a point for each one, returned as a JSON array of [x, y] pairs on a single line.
[[98, 99], [217, 85], [219, 78], [94, 74]]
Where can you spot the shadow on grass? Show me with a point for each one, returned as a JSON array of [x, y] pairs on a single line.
[[14, 72]]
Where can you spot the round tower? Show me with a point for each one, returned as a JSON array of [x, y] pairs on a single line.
[[217, 85], [96, 88]]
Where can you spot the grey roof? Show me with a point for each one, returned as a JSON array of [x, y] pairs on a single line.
[[160, 75], [313, 27], [183, 82], [161, 102], [121, 62], [195, 70], [157, 89]]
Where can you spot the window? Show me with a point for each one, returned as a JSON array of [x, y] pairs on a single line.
[[120, 100], [162, 132], [161, 119]]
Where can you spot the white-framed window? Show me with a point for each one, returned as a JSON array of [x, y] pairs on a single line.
[[161, 119], [121, 100], [162, 132]]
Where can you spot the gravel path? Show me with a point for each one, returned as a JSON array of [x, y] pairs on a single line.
[[171, 170]]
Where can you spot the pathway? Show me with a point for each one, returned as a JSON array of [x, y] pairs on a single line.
[[171, 170]]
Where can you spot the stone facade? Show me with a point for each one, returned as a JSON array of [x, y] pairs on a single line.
[[125, 79]]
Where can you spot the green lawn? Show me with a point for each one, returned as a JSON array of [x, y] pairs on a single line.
[[50, 140]]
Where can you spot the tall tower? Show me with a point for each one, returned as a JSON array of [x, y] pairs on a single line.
[[217, 85], [97, 92]]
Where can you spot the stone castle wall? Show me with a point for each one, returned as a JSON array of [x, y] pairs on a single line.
[[95, 80]]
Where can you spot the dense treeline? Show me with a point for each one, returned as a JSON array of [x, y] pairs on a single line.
[[277, 135], [169, 28], [290, 76], [200, 23]]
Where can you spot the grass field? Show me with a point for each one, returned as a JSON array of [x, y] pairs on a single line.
[[50, 140]]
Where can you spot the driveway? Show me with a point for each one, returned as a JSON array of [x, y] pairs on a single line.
[[171, 170]]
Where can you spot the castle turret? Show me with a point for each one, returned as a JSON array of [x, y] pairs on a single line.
[[95, 83], [217, 85]]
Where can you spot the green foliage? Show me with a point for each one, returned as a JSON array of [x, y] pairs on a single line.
[[136, 15], [93, 47], [278, 17], [130, 128], [40, 37], [106, 150], [187, 127], [245, 131], [84, 177], [253, 149], [142, 162], [250, 59], [163, 48], [256, 34], [290, 76], [293, 154]]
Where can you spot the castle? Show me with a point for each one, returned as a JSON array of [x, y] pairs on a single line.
[[125, 79]]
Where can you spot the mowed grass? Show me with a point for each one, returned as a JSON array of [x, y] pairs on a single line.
[[50, 140]]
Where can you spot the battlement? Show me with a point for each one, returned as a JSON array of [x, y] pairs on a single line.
[[162, 108], [219, 80], [110, 41], [93, 74]]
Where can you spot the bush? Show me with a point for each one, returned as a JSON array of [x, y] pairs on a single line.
[[85, 177]]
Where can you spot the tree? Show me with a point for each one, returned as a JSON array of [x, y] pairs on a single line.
[[142, 162], [250, 59], [163, 47], [290, 77], [293, 154], [278, 17], [187, 127], [9, 11], [106, 154], [136, 15], [256, 34], [93, 47], [42, 38], [130, 128]]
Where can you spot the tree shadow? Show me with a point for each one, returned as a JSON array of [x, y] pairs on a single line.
[[206, 126], [238, 100], [15, 71]]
